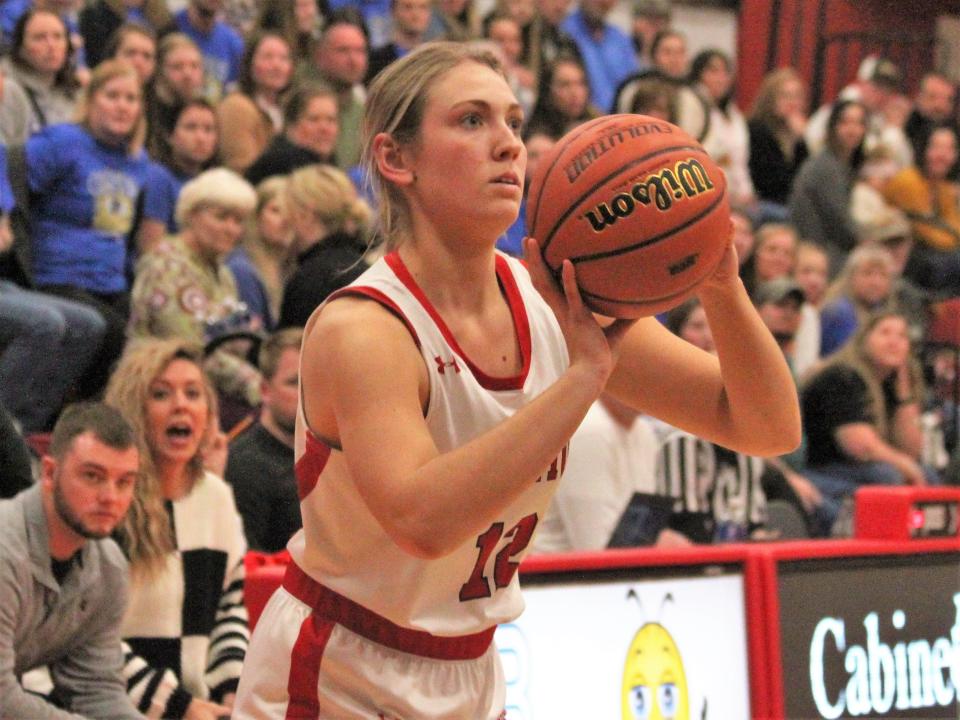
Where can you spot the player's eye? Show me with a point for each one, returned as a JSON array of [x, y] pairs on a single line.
[[667, 700], [640, 702], [471, 120]]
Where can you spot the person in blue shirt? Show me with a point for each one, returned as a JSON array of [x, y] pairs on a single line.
[[10, 13], [221, 45], [608, 53], [85, 179]]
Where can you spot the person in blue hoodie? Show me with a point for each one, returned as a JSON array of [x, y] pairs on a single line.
[[85, 179]]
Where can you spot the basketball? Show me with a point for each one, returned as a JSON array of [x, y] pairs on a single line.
[[637, 206]]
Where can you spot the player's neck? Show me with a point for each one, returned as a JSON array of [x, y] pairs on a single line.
[[453, 279]]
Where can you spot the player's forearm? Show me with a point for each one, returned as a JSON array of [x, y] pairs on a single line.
[[759, 407], [468, 487]]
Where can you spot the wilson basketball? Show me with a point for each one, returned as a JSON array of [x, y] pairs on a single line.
[[639, 208]]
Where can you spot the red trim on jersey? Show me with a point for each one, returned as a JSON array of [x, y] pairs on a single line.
[[305, 658], [334, 607], [384, 300], [521, 323], [308, 468]]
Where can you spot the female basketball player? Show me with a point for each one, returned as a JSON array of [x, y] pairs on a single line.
[[438, 395]]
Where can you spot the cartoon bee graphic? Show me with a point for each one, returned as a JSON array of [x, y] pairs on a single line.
[[654, 682]]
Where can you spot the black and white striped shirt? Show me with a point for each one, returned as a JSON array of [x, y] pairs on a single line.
[[185, 632]]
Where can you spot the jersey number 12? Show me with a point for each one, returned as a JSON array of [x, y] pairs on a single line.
[[478, 586]]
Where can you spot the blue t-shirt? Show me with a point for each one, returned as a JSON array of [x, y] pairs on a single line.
[[609, 60], [222, 49], [160, 195], [86, 197], [6, 191], [250, 288], [838, 323], [10, 12], [511, 242]]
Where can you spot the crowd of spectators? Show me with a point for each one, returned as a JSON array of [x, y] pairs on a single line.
[[180, 189]]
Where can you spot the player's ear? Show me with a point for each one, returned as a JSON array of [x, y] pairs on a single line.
[[392, 160]]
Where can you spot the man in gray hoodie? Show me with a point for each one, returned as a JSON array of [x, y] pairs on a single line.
[[63, 581]]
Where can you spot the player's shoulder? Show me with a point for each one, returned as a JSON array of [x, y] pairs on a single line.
[[358, 325]]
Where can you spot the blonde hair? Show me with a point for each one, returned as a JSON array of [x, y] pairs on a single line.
[[861, 257], [764, 108], [328, 194], [854, 355], [102, 74], [145, 532], [273, 270], [220, 187], [395, 106]]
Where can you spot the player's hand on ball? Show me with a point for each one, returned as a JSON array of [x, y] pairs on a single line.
[[586, 338], [727, 270]]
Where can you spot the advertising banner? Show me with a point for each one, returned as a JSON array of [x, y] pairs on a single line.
[[667, 647], [871, 637]]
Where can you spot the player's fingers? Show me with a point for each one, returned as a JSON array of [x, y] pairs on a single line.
[[543, 279], [570, 289]]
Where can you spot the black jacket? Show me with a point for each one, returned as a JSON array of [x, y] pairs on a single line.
[[282, 157], [334, 262]]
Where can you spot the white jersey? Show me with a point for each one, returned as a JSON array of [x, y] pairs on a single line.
[[344, 548]]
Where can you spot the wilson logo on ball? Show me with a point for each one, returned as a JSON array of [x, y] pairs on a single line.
[[687, 179]]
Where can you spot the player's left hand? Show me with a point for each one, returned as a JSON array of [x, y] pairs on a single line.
[[728, 268]]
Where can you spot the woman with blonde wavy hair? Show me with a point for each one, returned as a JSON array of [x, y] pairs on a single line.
[[185, 629], [330, 223], [861, 414]]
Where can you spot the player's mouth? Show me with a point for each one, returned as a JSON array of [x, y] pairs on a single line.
[[507, 179]]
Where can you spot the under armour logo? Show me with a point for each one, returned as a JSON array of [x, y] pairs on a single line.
[[443, 365]]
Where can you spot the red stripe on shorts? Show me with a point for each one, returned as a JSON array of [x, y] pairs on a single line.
[[310, 465], [305, 668], [335, 607]]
